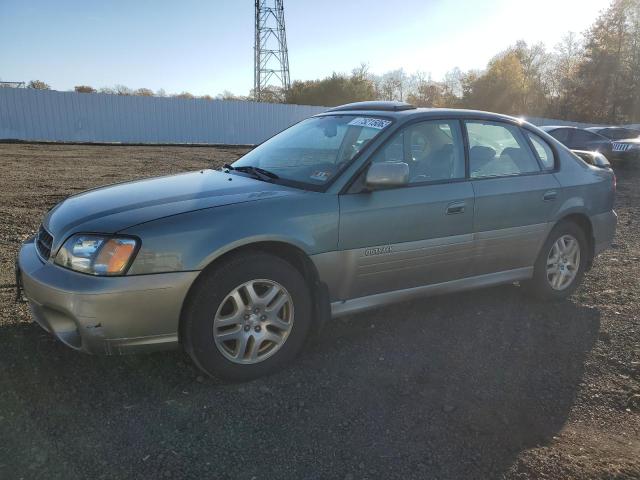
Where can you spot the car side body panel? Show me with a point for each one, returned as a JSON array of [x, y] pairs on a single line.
[[113, 208], [404, 237], [191, 241], [513, 217], [512, 220]]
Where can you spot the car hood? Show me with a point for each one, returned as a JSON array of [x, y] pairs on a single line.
[[116, 207]]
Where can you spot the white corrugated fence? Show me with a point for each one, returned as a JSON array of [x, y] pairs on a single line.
[[41, 115]]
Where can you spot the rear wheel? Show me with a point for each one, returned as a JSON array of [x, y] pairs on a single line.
[[247, 317], [561, 262]]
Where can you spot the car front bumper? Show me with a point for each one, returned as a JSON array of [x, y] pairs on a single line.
[[103, 315]]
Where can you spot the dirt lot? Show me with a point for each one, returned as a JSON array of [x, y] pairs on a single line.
[[486, 384]]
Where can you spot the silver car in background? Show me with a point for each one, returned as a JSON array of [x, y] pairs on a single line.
[[356, 208]]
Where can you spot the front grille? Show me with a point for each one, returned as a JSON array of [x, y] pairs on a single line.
[[44, 241], [621, 147]]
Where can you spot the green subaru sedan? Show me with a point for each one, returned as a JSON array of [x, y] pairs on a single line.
[[359, 207]]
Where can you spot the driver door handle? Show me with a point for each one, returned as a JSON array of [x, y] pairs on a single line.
[[550, 195], [456, 207]]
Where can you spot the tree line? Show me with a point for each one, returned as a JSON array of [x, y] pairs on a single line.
[[592, 78], [120, 90]]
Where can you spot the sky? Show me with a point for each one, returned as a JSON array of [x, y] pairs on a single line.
[[206, 46]]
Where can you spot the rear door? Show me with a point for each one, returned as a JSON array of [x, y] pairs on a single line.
[[515, 195], [415, 235]]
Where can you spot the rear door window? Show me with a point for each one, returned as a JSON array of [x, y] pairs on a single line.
[[497, 149]]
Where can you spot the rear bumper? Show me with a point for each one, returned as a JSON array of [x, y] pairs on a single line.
[[104, 315], [604, 229]]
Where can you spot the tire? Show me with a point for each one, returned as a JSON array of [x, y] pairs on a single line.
[[229, 335], [543, 281]]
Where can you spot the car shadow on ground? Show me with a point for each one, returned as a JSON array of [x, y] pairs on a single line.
[[453, 387]]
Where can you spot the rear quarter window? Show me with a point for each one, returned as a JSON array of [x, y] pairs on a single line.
[[543, 150]]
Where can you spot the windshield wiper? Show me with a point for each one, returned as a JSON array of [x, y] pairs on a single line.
[[256, 172]]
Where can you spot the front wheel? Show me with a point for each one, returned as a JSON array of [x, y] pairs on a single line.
[[247, 317], [561, 262]]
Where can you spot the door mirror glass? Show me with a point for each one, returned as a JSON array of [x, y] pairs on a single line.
[[387, 175]]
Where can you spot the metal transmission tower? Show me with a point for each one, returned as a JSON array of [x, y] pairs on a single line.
[[271, 60]]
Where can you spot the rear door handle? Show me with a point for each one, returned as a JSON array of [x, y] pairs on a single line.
[[550, 196], [455, 208]]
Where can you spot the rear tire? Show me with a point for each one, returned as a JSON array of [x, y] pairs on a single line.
[[561, 263], [247, 317]]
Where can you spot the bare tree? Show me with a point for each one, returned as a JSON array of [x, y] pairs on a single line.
[[227, 95], [144, 92], [84, 89], [183, 95], [38, 85], [122, 90], [392, 85]]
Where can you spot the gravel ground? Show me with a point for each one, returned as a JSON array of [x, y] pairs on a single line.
[[484, 384]]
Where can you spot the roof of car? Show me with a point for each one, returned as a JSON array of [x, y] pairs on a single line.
[[376, 105], [611, 128], [549, 128], [405, 110]]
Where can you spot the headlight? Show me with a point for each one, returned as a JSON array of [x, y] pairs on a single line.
[[97, 254]]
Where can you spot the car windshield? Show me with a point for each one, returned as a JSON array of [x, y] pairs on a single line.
[[313, 151]]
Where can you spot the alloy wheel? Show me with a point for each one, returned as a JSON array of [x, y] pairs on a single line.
[[563, 262], [253, 321]]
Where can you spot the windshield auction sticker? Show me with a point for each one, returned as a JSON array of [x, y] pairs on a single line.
[[377, 123]]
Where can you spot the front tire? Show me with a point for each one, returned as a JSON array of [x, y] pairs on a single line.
[[247, 317], [561, 263]]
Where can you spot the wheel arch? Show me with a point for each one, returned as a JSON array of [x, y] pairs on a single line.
[[289, 252]]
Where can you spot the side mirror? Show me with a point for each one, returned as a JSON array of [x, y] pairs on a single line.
[[387, 175], [601, 161]]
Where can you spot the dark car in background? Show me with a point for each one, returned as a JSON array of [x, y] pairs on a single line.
[[616, 133], [599, 139], [625, 142], [580, 139]]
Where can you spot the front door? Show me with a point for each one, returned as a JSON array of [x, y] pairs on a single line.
[[515, 195], [415, 235]]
